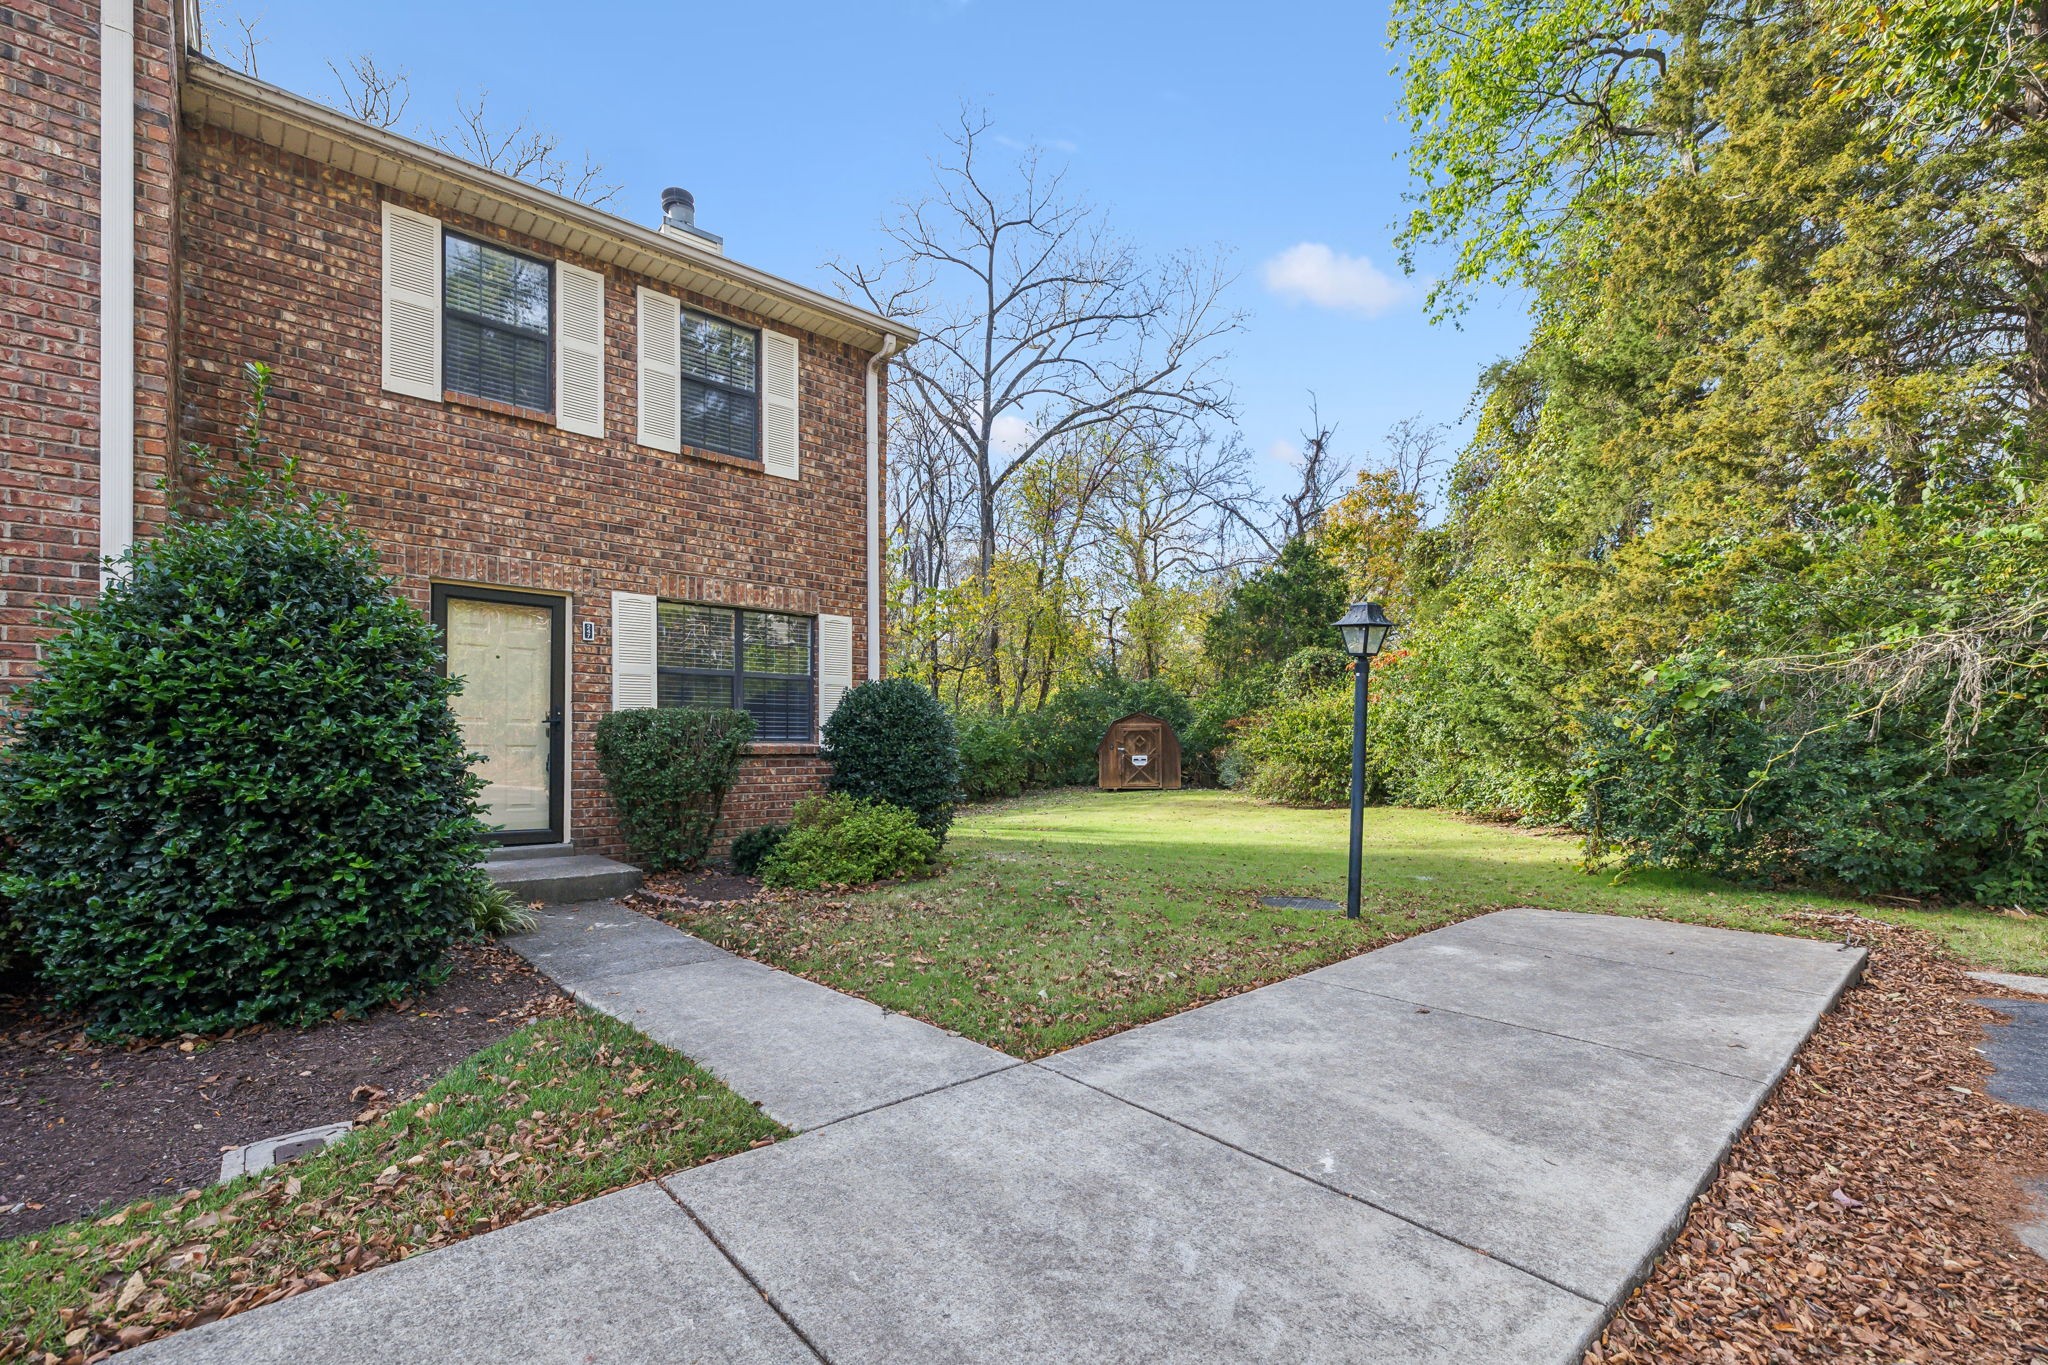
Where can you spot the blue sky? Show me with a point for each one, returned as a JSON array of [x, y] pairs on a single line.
[[1269, 133]]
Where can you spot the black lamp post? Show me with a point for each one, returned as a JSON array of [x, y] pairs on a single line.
[[1364, 628]]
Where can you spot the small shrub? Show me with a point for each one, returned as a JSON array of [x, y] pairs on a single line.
[[496, 912], [991, 757], [668, 770], [236, 792], [751, 849], [890, 740], [836, 840]]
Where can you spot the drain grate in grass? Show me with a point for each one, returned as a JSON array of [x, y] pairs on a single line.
[[561, 1111], [1298, 903]]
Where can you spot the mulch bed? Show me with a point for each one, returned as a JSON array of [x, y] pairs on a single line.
[[1866, 1214], [85, 1124], [712, 887]]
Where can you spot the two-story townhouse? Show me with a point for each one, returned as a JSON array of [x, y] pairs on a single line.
[[618, 467]]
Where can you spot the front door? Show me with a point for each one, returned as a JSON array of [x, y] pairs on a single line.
[[507, 649], [1139, 755]]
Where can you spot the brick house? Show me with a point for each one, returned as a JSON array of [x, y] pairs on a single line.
[[617, 467]]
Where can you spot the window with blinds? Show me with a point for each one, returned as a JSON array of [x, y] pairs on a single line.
[[720, 370], [760, 662], [497, 333]]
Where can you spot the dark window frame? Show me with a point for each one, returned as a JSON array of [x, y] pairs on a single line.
[[684, 379], [448, 311], [737, 675]]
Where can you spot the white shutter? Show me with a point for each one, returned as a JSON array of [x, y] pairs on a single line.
[[633, 631], [579, 350], [660, 331], [412, 303], [835, 663], [778, 405]]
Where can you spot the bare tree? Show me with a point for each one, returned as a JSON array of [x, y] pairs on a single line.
[[1413, 454], [1161, 519], [1039, 323], [1322, 475], [926, 486], [243, 41], [523, 152], [370, 93]]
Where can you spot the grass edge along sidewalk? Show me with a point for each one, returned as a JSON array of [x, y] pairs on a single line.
[[1067, 916], [561, 1111]]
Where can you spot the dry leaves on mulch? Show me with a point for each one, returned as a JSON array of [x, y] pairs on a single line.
[[1865, 1214], [564, 1110]]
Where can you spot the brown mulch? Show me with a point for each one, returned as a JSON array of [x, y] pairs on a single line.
[[1865, 1215], [85, 1124], [711, 887]]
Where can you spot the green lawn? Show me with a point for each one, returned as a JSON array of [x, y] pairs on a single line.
[[560, 1111], [1069, 915]]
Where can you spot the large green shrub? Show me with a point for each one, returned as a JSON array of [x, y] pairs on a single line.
[[1748, 778], [890, 740], [836, 840], [667, 770], [1298, 751], [992, 759], [236, 791], [1317, 668]]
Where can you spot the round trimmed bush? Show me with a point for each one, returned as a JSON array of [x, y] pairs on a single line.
[[236, 792], [890, 740]]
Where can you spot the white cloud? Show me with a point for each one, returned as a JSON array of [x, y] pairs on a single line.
[[1010, 433], [1310, 272]]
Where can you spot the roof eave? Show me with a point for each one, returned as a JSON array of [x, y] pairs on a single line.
[[217, 96]]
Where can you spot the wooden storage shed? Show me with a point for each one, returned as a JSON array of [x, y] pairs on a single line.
[[1140, 753]]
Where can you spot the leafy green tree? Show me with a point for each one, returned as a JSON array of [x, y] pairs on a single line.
[[1278, 611]]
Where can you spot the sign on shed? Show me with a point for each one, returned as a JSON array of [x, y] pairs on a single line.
[[1139, 753]]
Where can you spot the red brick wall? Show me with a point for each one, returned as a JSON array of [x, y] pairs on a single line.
[[281, 263], [49, 292], [49, 301]]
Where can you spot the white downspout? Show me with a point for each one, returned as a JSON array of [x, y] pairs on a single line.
[[117, 278], [876, 622]]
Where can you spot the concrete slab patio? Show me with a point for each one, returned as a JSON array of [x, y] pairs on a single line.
[[1462, 1148]]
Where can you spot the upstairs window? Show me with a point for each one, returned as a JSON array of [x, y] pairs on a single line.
[[497, 328], [720, 369], [756, 661]]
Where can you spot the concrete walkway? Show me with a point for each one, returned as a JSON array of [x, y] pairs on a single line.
[[1464, 1148]]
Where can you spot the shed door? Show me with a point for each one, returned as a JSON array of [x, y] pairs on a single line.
[[1138, 760]]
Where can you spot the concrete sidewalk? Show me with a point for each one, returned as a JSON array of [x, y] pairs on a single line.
[[1461, 1148]]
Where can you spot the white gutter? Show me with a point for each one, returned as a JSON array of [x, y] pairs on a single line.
[[117, 279], [877, 624]]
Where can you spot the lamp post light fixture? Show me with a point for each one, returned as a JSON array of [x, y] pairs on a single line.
[[1365, 629]]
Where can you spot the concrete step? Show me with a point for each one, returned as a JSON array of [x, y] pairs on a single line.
[[561, 876]]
